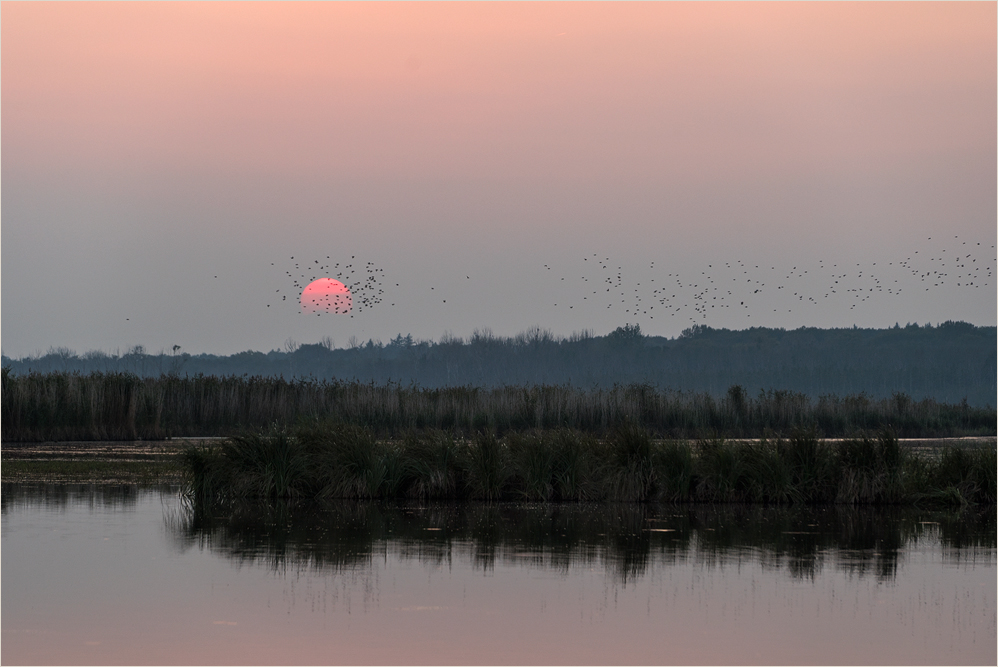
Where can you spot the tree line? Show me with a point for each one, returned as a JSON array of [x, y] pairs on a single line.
[[951, 362]]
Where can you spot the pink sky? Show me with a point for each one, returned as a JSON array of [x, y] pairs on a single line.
[[555, 115], [507, 90]]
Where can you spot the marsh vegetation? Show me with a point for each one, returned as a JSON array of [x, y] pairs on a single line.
[[123, 406], [335, 460]]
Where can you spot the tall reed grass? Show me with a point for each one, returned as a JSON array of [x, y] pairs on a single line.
[[345, 461], [120, 406]]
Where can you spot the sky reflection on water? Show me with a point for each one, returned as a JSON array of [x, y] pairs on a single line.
[[114, 574]]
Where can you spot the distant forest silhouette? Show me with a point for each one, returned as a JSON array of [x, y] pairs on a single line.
[[951, 362]]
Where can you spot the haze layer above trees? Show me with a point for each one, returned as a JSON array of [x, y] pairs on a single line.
[[949, 362]]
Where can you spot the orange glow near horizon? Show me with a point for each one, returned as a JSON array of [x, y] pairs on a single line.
[[632, 91]]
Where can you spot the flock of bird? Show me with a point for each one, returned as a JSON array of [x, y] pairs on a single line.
[[747, 287], [751, 287], [364, 283]]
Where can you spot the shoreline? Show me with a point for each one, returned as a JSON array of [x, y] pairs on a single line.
[[158, 461]]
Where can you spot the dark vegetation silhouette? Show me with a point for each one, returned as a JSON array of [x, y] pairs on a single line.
[[330, 460], [950, 363], [123, 406]]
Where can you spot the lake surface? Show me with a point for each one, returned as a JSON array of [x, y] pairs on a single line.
[[117, 574]]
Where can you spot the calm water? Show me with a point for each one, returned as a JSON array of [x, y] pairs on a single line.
[[120, 575]]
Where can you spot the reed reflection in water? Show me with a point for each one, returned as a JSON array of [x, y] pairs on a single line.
[[621, 537], [123, 575]]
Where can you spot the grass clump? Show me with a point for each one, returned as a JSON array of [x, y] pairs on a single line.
[[876, 470], [536, 458], [433, 461], [961, 476], [628, 474], [674, 471], [488, 466], [338, 460]]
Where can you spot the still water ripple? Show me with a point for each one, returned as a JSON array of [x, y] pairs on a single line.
[[119, 575]]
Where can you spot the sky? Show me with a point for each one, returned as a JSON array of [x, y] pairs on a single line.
[[173, 174]]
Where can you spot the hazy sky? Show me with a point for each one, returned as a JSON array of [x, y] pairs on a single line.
[[474, 154]]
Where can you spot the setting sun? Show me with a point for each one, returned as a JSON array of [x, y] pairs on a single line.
[[326, 294]]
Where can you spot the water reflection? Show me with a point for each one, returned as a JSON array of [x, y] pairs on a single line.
[[110, 574], [623, 538], [62, 496]]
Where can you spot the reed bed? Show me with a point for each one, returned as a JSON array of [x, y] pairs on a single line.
[[122, 406], [334, 460]]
